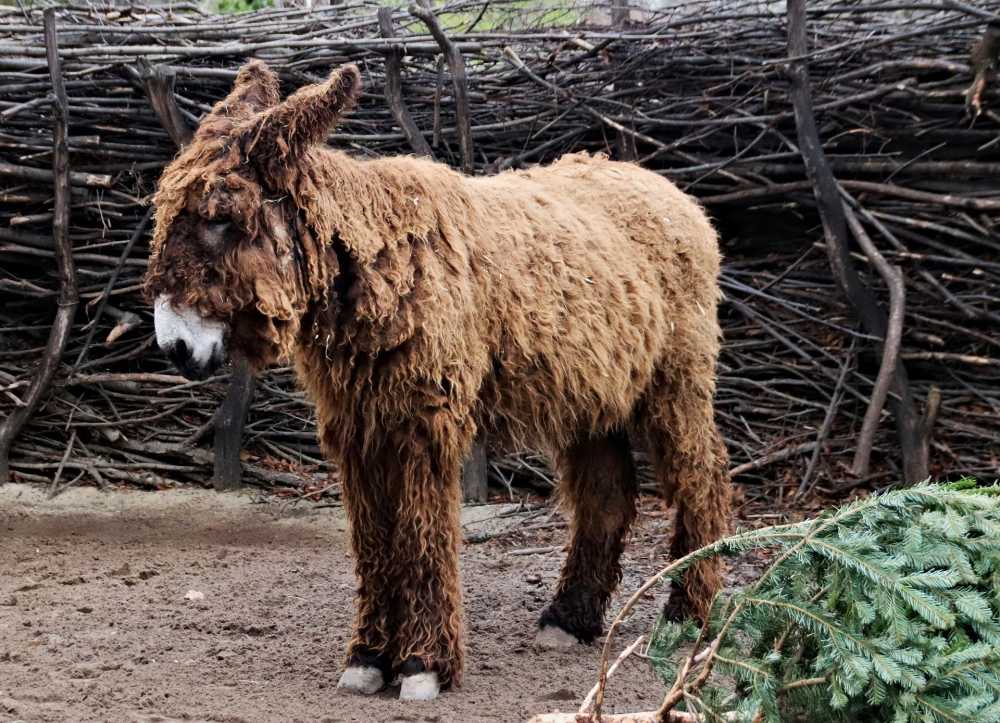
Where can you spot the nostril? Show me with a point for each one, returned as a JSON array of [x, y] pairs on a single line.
[[179, 353]]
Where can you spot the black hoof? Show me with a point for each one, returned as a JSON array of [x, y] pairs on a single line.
[[583, 627], [412, 666], [678, 605], [363, 658]]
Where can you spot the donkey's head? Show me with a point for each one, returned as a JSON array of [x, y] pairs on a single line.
[[227, 269]]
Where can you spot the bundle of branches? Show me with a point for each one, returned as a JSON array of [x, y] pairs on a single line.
[[908, 123], [884, 610]]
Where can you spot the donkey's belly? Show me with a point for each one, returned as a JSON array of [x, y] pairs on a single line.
[[548, 401]]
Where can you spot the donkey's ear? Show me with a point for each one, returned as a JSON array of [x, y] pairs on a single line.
[[305, 117], [256, 89]]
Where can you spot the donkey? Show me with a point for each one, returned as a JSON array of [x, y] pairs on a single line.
[[571, 307]]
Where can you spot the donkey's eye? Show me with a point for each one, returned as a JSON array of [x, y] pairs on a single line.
[[215, 233]]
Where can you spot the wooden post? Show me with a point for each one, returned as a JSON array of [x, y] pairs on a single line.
[[68, 294], [457, 66], [229, 420], [394, 89], [835, 227], [475, 474]]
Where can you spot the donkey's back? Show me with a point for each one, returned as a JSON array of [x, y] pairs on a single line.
[[598, 276]]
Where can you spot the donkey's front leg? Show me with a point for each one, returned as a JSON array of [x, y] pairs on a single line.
[[430, 631], [368, 489]]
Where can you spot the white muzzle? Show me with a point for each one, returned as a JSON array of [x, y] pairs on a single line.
[[195, 345]]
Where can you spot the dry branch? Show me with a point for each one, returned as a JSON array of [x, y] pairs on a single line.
[[833, 216], [394, 89], [68, 294], [159, 84], [893, 278], [456, 64]]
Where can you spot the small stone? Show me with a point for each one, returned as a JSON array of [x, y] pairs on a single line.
[[85, 670]]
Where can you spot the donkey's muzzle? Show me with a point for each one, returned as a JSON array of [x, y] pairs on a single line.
[[183, 358], [195, 344]]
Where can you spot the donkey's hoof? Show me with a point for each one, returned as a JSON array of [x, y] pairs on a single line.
[[552, 637], [678, 606], [420, 686], [364, 679]]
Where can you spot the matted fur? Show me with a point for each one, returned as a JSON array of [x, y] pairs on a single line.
[[570, 307]]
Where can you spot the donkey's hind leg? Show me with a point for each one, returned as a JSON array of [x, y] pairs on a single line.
[[691, 464], [599, 486]]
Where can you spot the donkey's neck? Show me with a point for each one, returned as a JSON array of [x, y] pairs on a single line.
[[369, 204], [395, 228]]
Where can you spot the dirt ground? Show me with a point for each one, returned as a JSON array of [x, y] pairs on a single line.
[[97, 624]]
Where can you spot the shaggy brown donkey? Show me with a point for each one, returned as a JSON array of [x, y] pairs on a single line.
[[572, 307]]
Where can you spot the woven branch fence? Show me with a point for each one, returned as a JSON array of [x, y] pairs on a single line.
[[877, 326]]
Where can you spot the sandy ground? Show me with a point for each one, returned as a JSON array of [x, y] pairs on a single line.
[[95, 624]]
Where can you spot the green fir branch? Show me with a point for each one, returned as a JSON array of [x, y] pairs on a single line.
[[884, 609]]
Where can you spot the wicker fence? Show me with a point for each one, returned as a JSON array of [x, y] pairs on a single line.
[[908, 123]]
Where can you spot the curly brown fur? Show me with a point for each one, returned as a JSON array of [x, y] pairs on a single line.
[[548, 306]]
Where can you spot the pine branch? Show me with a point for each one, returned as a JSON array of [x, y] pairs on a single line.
[[884, 609]]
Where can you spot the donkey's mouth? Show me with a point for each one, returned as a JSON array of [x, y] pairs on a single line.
[[190, 368], [195, 344]]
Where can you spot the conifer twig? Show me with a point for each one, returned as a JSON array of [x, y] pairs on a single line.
[[753, 537]]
